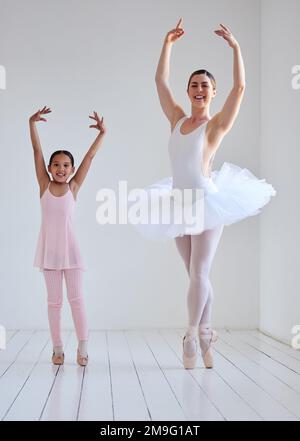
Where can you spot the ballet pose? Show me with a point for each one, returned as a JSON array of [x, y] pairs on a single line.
[[57, 253], [230, 194]]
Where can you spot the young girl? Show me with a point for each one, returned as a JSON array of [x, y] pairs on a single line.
[[230, 194], [57, 252]]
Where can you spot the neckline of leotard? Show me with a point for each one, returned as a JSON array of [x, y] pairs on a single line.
[[193, 131], [48, 188]]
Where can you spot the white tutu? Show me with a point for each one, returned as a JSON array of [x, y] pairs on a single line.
[[232, 194]]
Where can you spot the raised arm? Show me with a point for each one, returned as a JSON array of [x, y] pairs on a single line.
[[40, 166], [224, 120], [170, 108], [78, 178]]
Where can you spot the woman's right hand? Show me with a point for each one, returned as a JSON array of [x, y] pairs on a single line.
[[175, 34], [38, 115]]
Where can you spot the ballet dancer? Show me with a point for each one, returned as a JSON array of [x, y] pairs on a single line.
[[57, 253], [230, 194]]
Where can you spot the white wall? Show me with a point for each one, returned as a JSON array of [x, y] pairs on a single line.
[[280, 154], [77, 56]]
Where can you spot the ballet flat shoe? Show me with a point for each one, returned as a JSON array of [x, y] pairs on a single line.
[[82, 361], [58, 359]]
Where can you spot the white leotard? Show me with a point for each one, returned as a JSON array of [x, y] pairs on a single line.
[[186, 156]]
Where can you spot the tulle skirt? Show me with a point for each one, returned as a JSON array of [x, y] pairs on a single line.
[[232, 194]]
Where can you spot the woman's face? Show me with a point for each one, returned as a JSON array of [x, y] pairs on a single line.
[[201, 91], [61, 168]]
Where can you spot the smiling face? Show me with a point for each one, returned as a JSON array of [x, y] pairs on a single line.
[[61, 168], [201, 91]]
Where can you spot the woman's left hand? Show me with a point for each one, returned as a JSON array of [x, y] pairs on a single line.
[[99, 123], [227, 35]]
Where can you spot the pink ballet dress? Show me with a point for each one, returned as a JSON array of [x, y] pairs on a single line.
[[57, 247], [230, 194]]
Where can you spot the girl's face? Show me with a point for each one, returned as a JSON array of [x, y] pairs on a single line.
[[201, 91], [61, 168]]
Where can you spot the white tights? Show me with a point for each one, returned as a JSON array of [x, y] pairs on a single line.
[[197, 252]]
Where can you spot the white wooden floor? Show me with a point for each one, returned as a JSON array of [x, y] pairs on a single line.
[[138, 375]]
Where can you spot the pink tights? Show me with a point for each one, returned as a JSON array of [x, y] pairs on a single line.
[[54, 283], [197, 252]]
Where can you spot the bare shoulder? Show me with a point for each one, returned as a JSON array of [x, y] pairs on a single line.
[[178, 114]]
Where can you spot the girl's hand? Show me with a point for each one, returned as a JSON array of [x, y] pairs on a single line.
[[175, 34], [38, 115], [100, 126], [227, 35]]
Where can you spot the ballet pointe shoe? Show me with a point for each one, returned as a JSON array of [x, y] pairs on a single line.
[[189, 361], [82, 361], [58, 359], [206, 339]]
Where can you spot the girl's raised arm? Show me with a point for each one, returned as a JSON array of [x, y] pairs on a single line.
[[40, 166], [78, 178], [170, 108]]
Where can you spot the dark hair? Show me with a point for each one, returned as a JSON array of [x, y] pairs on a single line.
[[65, 152], [205, 72]]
